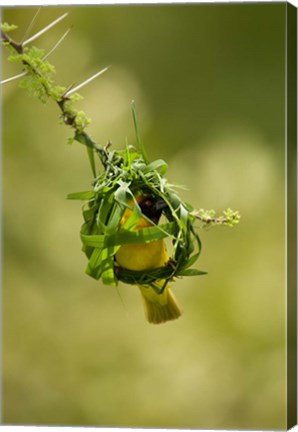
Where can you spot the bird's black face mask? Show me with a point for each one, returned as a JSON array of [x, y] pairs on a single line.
[[152, 208]]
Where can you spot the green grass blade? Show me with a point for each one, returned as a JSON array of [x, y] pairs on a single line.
[[115, 219], [133, 219], [138, 134], [191, 272], [191, 261], [145, 235], [158, 165], [90, 152], [83, 196], [108, 275]]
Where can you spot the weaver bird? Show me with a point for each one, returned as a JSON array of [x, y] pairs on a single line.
[[159, 307]]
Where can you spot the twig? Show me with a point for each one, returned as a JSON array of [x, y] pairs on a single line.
[[207, 217], [17, 46], [44, 58], [71, 117]]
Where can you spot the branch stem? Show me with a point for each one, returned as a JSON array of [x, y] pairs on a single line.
[[69, 116]]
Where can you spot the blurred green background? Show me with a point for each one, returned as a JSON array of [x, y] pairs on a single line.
[[208, 81]]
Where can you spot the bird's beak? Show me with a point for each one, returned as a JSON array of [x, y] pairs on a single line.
[[160, 205]]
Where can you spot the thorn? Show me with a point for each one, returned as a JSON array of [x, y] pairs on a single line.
[[57, 44], [13, 78], [87, 81], [31, 24], [41, 32]]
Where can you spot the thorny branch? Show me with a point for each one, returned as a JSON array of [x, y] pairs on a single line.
[[68, 115], [64, 97]]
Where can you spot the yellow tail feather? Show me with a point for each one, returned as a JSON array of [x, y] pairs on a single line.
[[159, 308]]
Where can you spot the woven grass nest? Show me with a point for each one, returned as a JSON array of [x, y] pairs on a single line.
[[127, 175]]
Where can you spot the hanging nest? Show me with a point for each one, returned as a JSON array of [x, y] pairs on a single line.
[[126, 176]]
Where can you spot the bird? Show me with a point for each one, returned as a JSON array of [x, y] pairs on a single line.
[[158, 307]]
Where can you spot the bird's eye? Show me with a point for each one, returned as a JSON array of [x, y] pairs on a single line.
[[146, 204]]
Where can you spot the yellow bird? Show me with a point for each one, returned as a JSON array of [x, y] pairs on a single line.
[[147, 256]]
